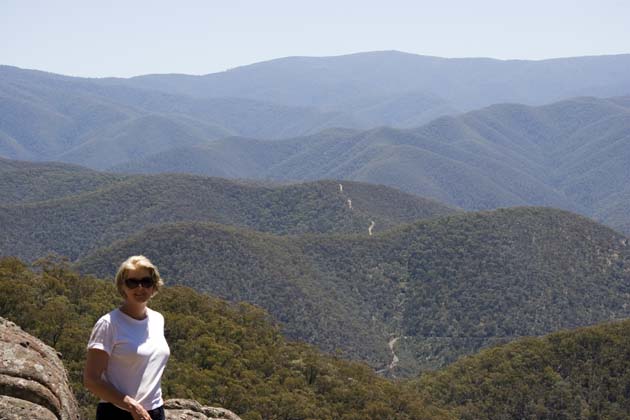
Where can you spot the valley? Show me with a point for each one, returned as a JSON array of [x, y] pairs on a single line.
[[366, 236]]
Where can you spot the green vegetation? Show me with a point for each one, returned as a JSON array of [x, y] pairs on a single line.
[[570, 154], [442, 287], [84, 210], [24, 182], [223, 354], [580, 374], [449, 285], [233, 356]]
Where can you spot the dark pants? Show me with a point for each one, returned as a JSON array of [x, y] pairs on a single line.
[[108, 411]]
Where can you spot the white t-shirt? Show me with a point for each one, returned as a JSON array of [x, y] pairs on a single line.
[[137, 351]]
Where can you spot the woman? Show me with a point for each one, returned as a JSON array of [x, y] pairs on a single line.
[[127, 351]]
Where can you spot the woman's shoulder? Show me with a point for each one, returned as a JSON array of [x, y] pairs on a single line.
[[111, 317], [154, 314], [106, 322]]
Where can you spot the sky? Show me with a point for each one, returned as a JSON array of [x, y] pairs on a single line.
[[133, 37]]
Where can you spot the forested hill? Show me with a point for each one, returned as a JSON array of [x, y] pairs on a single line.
[[24, 182], [79, 210], [437, 283], [446, 286], [580, 374], [229, 355]]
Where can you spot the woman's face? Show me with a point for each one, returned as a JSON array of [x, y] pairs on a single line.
[[135, 284]]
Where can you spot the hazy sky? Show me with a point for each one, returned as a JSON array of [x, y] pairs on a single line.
[[132, 37]]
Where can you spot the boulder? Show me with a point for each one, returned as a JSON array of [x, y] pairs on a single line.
[[181, 409], [33, 381]]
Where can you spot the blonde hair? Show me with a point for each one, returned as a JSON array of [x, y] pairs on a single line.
[[132, 263]]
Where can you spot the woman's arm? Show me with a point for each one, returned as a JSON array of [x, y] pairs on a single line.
[[94, 367]]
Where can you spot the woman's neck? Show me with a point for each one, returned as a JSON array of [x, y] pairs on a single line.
[[135, 311]]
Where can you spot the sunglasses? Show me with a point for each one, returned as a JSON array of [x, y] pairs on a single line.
[[146, 282]]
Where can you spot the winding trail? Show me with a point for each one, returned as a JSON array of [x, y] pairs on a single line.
[[395, 359], [392, 342]]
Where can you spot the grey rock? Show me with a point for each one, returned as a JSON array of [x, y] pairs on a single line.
[[182, 409], [17, 409], [33, 381]]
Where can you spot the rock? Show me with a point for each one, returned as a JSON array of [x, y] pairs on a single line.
[[17, 409], [181, 409], [33, 381]]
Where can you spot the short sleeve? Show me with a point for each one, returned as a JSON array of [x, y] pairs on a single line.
[[102, 337]]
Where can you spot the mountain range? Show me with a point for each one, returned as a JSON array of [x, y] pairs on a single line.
[[445, 286], [54, 117], [364, 270], [403, 84], [571, 154], [70, 210], [244, 123]]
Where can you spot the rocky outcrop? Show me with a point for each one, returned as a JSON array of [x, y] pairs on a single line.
[[179, 409], [33, 381]]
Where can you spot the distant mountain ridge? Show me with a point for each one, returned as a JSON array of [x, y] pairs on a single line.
[[571, 154], [53, 117], [45, 115], [365, 79]]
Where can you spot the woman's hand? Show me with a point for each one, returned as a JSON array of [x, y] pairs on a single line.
[[137, 411]]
